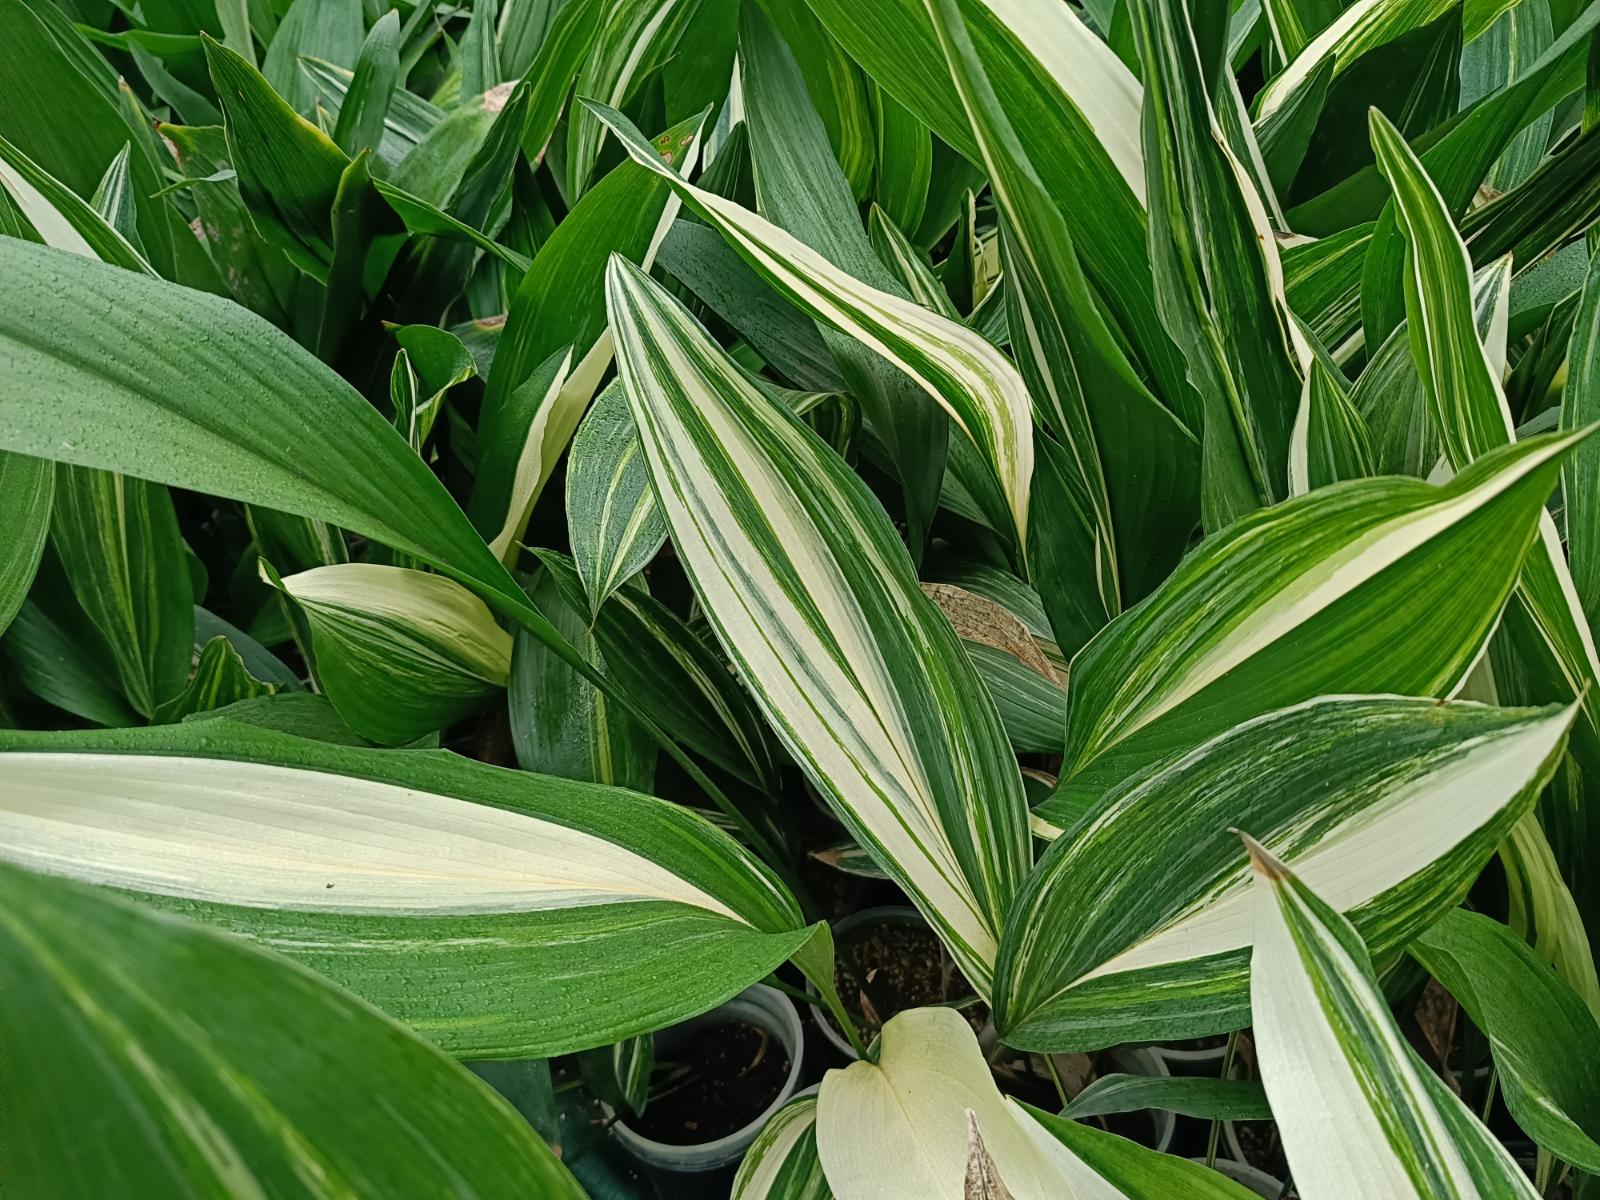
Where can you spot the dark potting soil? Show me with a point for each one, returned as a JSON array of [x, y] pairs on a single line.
[[1262, 1147], [715, 1086], [895, 966]]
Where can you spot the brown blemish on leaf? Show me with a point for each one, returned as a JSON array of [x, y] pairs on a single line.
[[978, 619]]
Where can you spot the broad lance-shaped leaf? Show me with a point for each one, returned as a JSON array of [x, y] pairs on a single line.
[[1373, 586], [1390, 806], [1546, 1042], [1360, 1113], [971, 379], [812, 594], [1580, 406], [783, 1163], [27, 493], [612, 516], [1470, 412], [929, 1084], [1130, 457], [399, 652], [1218, 280], [560, 305], [208, 1066], [499, 913]]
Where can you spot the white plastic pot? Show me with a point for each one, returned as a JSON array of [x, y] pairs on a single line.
[[842, 929], [761, 1006], [1257, 1180], [1192, 1062], [1142, 1060]]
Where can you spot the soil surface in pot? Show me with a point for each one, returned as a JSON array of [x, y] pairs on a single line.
[[1261, 1146], [714, 1086], [895, 966]]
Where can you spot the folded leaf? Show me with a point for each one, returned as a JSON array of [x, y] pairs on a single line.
[[782, 1163], [399, 652], [811, 593], [62, 218], [27, 492], [211, 1067], [970, 378], [1383, 585], [1366, 797], [499, 913], [1546, 1042], [220, 678], [929, 1084], [1187, 1095], [1580, 405], [1360, 1113]]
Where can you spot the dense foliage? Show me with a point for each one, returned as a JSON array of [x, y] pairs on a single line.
[[525, 519]]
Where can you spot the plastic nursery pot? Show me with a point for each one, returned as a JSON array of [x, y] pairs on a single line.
[[846, 931], [1143, 1060], [1192, 1059], [767, 1009], [1257, 1180]]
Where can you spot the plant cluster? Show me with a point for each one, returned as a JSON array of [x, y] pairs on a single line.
[[523, 519]]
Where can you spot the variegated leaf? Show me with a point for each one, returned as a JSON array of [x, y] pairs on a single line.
[[811, 593], [969, 377], [782, 1163], [400, 652], [1359, 1112], [486, 908], [1470, 412], [612, 517], [1390, 806], [1382, 585]]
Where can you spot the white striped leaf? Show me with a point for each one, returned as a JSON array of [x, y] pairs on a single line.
[[1134, 462], [1330, 441], [499, 913], [1580, 405], [899, 1129], [782, 1163], [399, 652], [60, 217], [208, 1067], [974, 382], [1359, 1112], [613, 520], [1390, 806], [812, 595], [1364, 26], [1472, 417], [636, 37], [1380, 585]]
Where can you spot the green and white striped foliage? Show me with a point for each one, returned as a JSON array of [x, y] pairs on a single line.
[[500, 914], [1389, 806], [400, 653], [1372, 586], [970, 378], [925, 1093], [206, 1066], [812, 595], [783, 1163], [1360, 1114], [1469, 409]]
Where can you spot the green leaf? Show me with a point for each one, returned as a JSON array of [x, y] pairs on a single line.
[[782, 1163], [407, 119], [1131, 463], [1218, 279], [666, 667], [1190, 1096], [813, 597], [1470, 412], [904, 160], [545, 915], [60, 218], [114, 199], [400, 652], [634, 39], [1364, 796], [974, 382], [422, 217], [27, 493], [801, 190], [1580, 404], [1359, 1112], [560, 304], [612, 516], [330, 30], [289, 170], [220, 678], [119, 543], [364, 107], [61, 658], [213, 1067], [477, 58], [1330, 441], [1371, 586], [1545, 1041], [560, 724]]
